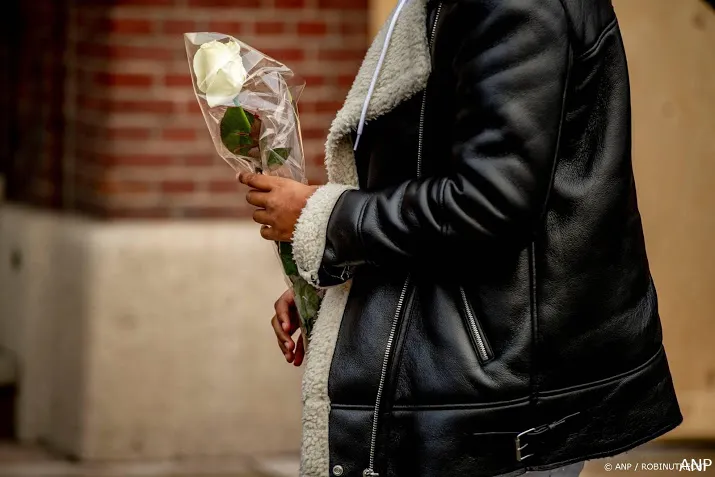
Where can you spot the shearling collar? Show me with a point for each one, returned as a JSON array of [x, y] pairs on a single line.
[[404, 73]]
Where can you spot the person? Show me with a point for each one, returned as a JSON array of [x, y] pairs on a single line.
[[489, 308]]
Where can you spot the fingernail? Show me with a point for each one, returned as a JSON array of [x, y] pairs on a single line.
[[288, 344]]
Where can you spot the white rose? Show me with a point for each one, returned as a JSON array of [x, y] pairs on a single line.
[[219, 71]]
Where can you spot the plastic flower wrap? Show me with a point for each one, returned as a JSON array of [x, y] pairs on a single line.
[[249, 102]]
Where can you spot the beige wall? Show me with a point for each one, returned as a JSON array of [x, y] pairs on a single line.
[[671, 52], [671, 55], [146, 340]]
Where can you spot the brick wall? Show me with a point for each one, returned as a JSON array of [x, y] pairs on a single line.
[[135, 142], [32, 42]]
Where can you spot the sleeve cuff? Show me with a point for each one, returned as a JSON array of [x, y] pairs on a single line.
[[309, 236]]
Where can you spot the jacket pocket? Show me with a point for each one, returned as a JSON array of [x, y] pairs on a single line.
[[479, 339]]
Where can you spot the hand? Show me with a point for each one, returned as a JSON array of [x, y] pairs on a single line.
[[285, 324], [280, 202]]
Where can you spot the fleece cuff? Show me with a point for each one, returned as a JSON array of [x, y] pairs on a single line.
[[310, 230]]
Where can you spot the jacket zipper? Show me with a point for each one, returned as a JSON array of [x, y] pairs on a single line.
[[483, 349], [370, 471]]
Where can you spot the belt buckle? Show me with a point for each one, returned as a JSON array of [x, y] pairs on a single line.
[[520, 447]]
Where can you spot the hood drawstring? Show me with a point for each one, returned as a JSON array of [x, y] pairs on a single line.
[[375, 75]]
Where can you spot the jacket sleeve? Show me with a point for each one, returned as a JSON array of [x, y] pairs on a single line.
[[511, 67]]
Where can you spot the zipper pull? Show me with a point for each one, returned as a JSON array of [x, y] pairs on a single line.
[[369, 473]]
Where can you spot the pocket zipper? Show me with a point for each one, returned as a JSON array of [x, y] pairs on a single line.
[[482, 346]]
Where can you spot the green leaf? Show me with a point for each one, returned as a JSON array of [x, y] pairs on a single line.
[[285, 250], [236, 126], [307, 301], [278, 156]]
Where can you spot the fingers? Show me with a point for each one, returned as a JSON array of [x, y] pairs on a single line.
[[262, 216], [270, 233], [299, 352], [257, 198], [283, 305], [258, 181], [285, 323], [285, 342]]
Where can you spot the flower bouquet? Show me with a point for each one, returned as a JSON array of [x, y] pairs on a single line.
[[249, 102]]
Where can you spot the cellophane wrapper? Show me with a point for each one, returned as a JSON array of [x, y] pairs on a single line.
[[258, 131]]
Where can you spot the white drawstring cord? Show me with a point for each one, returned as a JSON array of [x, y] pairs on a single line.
[[375, 75]]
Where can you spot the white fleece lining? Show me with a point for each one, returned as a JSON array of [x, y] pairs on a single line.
[[315, 458], [404, 74], [310, 231]]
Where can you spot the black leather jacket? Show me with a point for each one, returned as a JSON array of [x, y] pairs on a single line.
[[527, 335]]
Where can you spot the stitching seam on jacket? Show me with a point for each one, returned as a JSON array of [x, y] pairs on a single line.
[[533, 387], [443, 225], [597, 44], [605, 381], [562, 119], [359, 228], [498, 404]]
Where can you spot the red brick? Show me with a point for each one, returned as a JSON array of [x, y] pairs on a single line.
[[119, 79], [285, 54], [269, 28], [128, 133], [179, 134], [90, 103], [225, 3], [178, 27], [346, 80], [314, 133], [226, 27], [200, 161], [341, 54], [314, 80], [126, 106], [193, 107], [143, 3], [312, 28], [129, 26], [99, 50], [122, 187], [141, 52], [353, 28], [181, 81], [148, 160], [139, 106], [290, 3], [343, 4], [223, 186], [178, 187], [327, 106], [208, 212]]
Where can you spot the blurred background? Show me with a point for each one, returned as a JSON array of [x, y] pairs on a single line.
[[136, 294]]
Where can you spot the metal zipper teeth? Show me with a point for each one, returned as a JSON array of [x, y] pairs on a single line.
[[383, 377], [481, 344], [420, 137], [370, 472]]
